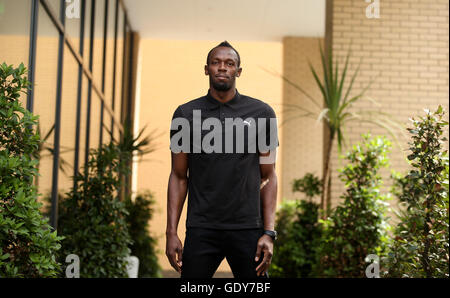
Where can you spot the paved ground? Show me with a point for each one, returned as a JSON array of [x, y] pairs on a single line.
[[174, 274]]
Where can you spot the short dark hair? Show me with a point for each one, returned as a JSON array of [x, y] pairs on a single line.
[[227, 45]]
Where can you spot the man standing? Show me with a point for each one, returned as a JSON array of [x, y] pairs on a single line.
[[232, 187]]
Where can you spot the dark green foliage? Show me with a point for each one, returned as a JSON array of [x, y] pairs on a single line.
[[131, 145], [310, 185], [28, 246], [144, 245], [298, 231], [421, 244], [93, 219], [357, 227], [101, 228]]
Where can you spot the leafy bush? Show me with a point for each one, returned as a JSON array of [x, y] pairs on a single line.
[[100, 227], [310, 185], [28, 246], [144, 245], [357, 227], [298, 232], [421, 243], [93, 219]]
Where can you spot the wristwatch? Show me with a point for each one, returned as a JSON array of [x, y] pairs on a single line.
[[272, 234]]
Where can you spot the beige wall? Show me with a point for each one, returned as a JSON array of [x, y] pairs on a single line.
[[406, 51], [302, 142], [172, 74]]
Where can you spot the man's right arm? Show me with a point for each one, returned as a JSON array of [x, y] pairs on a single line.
[[176, 195]]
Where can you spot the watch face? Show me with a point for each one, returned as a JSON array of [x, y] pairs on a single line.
[[272, 234]]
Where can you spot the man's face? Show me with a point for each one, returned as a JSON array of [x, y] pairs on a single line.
[[223, 69]]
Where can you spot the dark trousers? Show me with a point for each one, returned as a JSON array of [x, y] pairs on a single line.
[[204, 249]]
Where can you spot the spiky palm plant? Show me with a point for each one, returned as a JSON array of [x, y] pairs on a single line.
[[336, 110], [130, 146]]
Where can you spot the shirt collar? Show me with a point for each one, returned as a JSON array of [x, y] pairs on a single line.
[[213, 103]]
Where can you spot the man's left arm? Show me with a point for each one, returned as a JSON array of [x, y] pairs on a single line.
[[268, 195]]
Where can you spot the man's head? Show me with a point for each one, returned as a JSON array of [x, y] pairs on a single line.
[[223, 67]]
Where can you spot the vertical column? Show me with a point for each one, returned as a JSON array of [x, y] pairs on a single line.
[[79, 93], [32, 52], [54, 209]]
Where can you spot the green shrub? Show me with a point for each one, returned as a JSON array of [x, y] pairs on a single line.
[[357, 227], [93, 219], [310, 185], [421, 239], [140, 212], [28, 246], [298, 232]]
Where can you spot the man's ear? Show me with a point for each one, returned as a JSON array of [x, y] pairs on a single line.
[[238, 74], [206, 70]]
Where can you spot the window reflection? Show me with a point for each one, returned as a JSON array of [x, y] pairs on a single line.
[[45, 94], [105, 52], [68, 120]]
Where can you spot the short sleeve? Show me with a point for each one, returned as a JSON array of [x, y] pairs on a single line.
[[272, 128], [177, 114], [270, 117]]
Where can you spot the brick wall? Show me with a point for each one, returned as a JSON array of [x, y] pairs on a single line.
[[406, 52]]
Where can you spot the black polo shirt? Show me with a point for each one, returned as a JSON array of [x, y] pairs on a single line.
[[224, 186]]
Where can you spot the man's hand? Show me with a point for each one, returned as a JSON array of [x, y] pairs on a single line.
[[265, 245], [174, 251]]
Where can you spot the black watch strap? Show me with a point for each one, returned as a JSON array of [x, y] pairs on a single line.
[[272, 234]]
